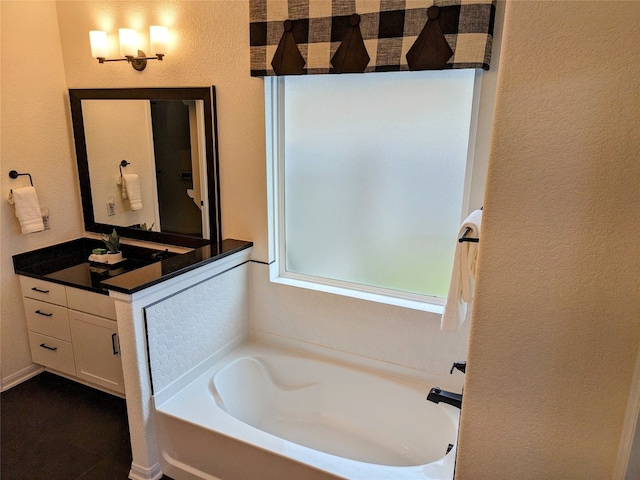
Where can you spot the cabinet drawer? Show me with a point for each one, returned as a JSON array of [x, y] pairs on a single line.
[[52, 352], [48, 319], [90, 302], [42, 290]]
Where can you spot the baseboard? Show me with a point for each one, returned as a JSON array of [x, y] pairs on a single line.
[[21, 376], [140, 473]]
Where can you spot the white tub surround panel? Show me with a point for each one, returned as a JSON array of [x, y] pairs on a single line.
[[393, 339], [133, 343], [188, 328]]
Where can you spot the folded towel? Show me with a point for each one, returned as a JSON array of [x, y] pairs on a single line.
[[28, 211], [131, 190], [460, 296], [121, 183]]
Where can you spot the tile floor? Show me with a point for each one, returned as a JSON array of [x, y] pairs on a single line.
[[55, 429]]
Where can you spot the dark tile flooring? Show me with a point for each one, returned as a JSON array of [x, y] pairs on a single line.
[[55, 429]]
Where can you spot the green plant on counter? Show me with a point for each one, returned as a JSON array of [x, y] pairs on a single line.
[[112, 241]]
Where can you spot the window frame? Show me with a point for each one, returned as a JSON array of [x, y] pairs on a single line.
[[475, 176]]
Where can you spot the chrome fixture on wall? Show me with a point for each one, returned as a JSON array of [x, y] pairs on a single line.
[[128, 39]]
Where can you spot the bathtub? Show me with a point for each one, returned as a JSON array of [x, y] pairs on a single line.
[[269, 413]]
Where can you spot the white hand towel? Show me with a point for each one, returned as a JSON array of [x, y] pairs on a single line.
[[460, 296], [123, 186], [28, 211], [132, 186]]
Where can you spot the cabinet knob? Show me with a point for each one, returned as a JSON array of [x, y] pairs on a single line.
[[48, 347], [44, 314], [36, 289]]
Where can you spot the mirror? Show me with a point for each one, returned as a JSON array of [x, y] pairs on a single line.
[[148, 162]]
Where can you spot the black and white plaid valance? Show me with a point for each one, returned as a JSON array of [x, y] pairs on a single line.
[[334, 36]]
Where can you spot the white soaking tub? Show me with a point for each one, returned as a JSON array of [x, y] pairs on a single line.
[[269, 413]]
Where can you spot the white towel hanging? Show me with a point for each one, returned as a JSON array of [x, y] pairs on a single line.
[[132, 184], [457, 308], [25, 199], [123, 187]]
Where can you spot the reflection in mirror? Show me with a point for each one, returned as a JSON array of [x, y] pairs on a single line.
[[147, 162], [161, 143]]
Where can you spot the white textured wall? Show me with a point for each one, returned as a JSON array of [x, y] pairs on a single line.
[[115, 131], [399, 340], [191, 326], [556, 321], [35, 139]]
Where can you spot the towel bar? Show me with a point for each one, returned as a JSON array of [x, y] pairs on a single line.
[[464, 238], [123, 163], [13, 174]]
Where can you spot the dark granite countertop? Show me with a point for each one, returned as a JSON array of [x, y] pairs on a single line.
[[67, 263]]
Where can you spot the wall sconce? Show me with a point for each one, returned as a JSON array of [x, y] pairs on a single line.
[[128, 37]]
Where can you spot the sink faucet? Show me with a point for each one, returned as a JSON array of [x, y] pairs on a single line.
[[436, 395]]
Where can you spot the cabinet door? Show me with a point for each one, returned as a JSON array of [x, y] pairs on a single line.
[[96, 350]]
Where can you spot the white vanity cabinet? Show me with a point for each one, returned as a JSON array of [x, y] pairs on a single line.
[[74, 332]]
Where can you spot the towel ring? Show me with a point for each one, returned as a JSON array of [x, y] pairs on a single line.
[[467, 231], [123, 163], [464, 238], [13, 174]]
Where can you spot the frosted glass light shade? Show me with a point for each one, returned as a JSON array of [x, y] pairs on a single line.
[[128, 42], [99, 44], [159, 39]]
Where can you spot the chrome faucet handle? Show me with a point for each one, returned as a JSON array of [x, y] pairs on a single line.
[[462, 366]]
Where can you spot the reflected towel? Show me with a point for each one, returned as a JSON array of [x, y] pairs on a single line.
[[131, 188], [457, 308], [28, 211], [123, 187]]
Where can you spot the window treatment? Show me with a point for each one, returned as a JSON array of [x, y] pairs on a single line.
[[348, 36]]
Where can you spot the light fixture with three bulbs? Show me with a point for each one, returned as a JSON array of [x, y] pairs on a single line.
[[158, 39]]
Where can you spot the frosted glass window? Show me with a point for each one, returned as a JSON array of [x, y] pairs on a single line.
[[374, 175]]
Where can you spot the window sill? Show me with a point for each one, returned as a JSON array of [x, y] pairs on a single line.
[[362, 292]]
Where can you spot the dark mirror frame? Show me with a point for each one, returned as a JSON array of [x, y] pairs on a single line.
[[207, 94]]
